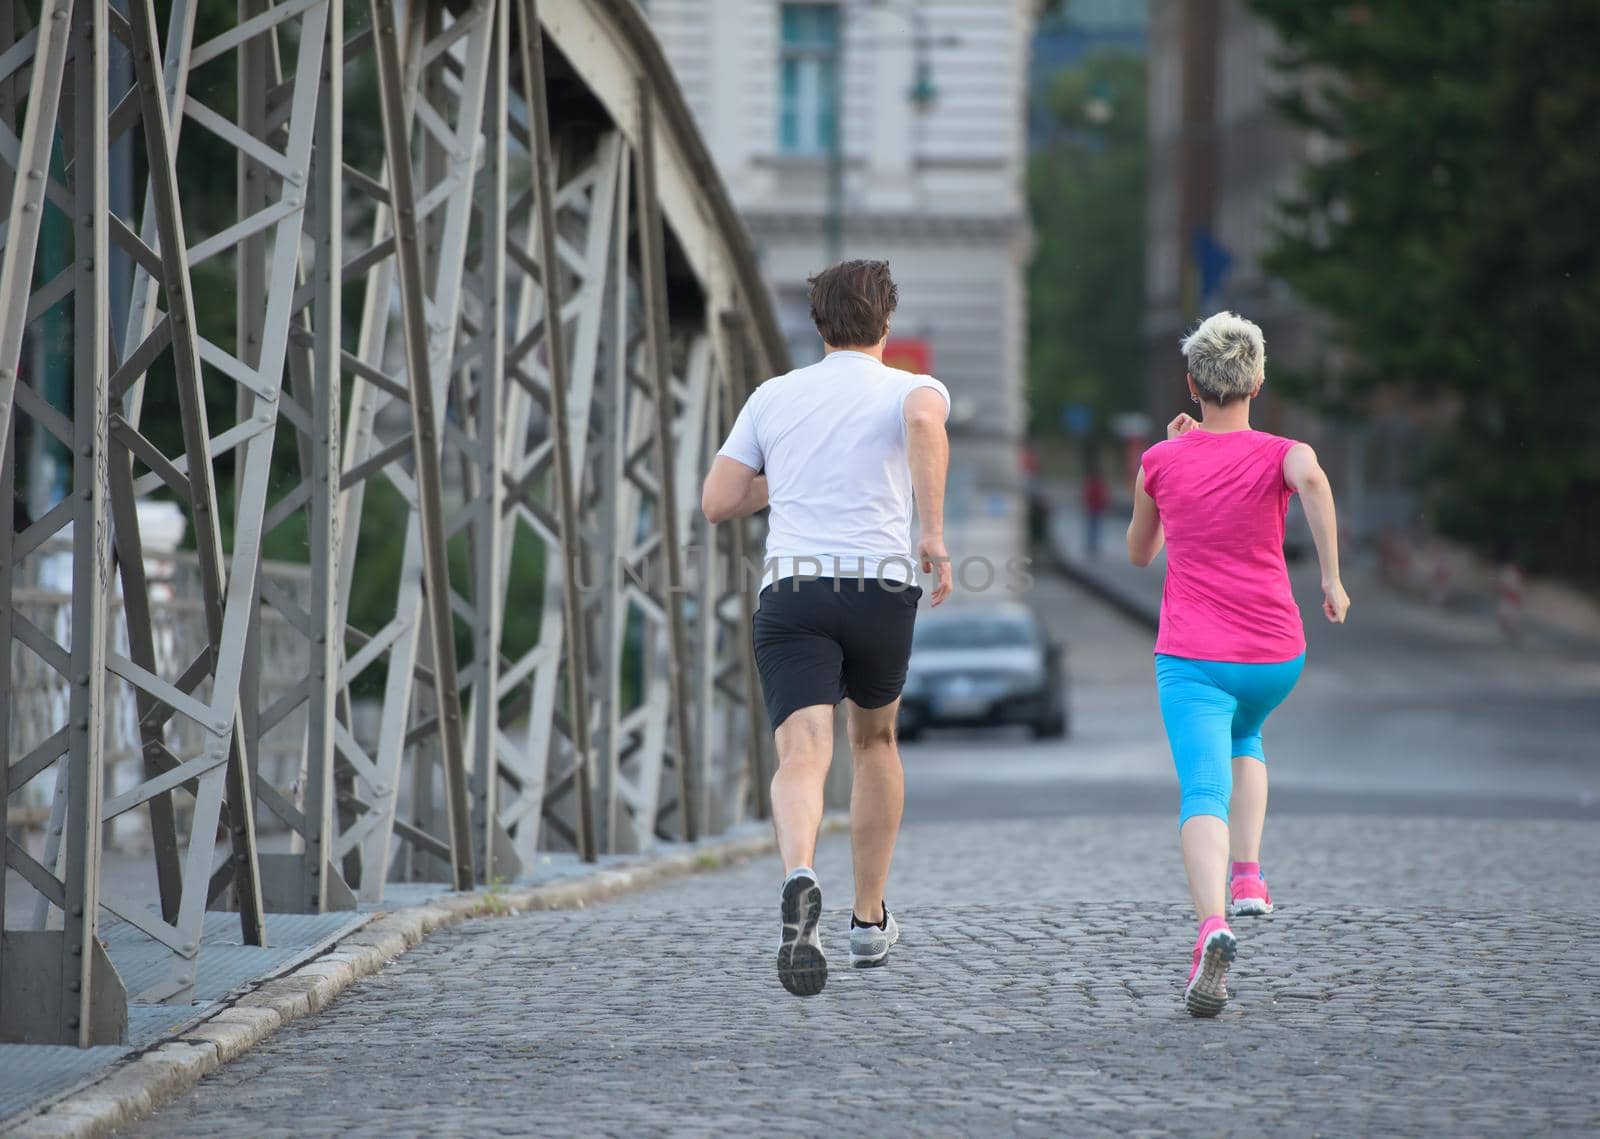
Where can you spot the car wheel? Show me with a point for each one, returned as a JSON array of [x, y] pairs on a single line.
[[1052, 727]]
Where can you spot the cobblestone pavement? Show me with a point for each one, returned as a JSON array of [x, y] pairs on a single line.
[[1433, 968], [1428, 976]]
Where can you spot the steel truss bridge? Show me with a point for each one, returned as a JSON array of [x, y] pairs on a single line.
[[483, 268]]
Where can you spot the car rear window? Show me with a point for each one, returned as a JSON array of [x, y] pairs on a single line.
[[974, 632]]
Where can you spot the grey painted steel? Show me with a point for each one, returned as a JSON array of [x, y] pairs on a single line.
[[80, 952], [738, 589], [30, 171], [654, 275], [517, 383], [56, 986], [565, 470], [322, 447], [424, 436], [480, 386]]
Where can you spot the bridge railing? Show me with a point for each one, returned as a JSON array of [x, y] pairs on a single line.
[[40, 696], [466, 324]]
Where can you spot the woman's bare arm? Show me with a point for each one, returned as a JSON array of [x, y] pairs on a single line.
[[1302, 471], [1145, 536]]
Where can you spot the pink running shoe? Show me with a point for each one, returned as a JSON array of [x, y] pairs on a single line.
[[1214, 951], [1247, 891]]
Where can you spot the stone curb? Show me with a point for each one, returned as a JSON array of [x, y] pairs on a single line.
[[137, 1087]]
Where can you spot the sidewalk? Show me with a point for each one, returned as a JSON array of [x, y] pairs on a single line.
[[244, 993]]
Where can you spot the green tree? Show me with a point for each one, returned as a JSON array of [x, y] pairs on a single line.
[[1086, 282], [1452, 242]]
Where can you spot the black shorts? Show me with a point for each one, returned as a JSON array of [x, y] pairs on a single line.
[[819, 640]]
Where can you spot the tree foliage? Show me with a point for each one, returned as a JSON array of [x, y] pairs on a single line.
[[1452, 241], [1086, 283]]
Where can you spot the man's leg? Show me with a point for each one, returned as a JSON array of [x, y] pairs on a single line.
[[876, 652], [805, 748], [800, 662], [877, 798]]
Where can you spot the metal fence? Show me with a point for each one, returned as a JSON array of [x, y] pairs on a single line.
[[481, 267]]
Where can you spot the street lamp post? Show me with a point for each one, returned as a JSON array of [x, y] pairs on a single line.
[[922, 95]]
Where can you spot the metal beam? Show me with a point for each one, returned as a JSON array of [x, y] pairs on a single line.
[[91, 552], [481, 471], [536, 96], [424, 436], [653, 273]]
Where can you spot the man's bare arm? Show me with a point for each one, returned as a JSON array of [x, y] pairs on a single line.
[[732, 490], [928, 454]]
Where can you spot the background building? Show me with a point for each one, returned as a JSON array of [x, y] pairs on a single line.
[[1220, 160], [894, 129]]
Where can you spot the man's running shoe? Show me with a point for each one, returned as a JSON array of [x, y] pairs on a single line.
[[1214, 951], [1247, 891], [869, 944], [801, 966]]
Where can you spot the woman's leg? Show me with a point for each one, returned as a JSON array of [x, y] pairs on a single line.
[[1247, 810], [1204, 839], [1259, 688], [1199, 716]]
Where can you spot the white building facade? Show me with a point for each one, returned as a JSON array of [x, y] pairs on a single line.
[[890, 129]]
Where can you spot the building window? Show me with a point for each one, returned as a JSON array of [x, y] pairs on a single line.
[[808, 79]]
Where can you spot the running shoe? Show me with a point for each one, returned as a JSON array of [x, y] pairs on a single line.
[[802, 968], [869, 944], [1247, 893], [1214, 951]]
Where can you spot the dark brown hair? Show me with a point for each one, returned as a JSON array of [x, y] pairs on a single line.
[[851, 302]]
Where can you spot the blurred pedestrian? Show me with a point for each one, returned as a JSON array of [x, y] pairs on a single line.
[[1030, 463], [1096, 501], [1037, 498], [844, 444], [1231, 645]]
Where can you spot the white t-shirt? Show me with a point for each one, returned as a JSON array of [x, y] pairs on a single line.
[[832, 439]]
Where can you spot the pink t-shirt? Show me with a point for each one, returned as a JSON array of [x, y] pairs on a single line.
[[1222, 500]]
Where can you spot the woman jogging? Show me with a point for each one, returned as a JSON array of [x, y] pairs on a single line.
[[1231, 645]]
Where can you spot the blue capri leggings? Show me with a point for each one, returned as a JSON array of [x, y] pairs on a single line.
[[1213, 711]]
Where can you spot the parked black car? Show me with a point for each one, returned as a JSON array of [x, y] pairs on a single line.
[[984, 664]]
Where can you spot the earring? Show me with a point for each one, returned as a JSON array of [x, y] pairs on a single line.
[[1194, 399]]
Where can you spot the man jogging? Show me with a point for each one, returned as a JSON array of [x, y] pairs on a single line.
[[838, 450]]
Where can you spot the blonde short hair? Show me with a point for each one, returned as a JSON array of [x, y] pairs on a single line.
[[1227, 358]]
